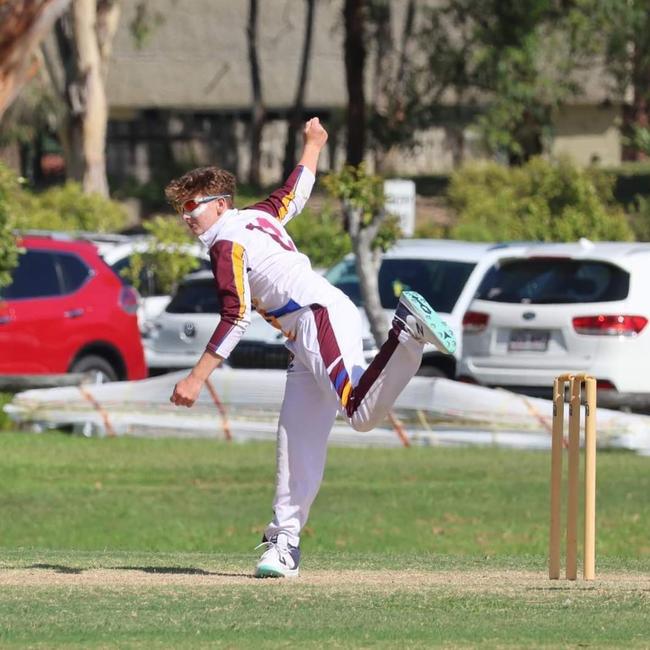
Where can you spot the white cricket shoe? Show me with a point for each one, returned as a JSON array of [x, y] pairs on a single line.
[[423, 323], [280, 560]]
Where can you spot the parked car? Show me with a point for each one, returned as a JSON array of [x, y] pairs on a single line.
[[446, 272], [564, 307], [67, 311], [178, 336], [117, 251]]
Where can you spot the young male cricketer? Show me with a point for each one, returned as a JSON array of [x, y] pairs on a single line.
[[256, 265]]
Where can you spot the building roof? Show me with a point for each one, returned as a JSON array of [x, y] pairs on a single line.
[[196, 56]]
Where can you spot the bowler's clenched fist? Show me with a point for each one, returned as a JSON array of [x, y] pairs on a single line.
[[315, 132], [186, 392]]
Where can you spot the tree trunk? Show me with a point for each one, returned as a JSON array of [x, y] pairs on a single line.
[[383, 74], [391, 78], [367, 262], [71, 131], [258, 113], [299, 101], [638, 114], [528, 135], [407, 35], [84, 38], [355, 56], [23, 25], [94, 28], [95, 117]]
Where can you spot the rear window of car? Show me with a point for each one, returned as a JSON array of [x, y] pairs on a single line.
[[45, 274], [196, 297], [439, 281], [554, 281], [74, 272]]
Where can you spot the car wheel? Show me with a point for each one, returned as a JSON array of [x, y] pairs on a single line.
[[96, 367], [431, 371]]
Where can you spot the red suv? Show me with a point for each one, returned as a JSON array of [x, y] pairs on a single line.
[[66, 311]]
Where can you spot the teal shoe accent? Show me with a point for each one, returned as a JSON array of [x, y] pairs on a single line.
[[268, 572], [443, 337]]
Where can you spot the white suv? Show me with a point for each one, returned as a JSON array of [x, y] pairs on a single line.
[[564, 307], [446, 272]]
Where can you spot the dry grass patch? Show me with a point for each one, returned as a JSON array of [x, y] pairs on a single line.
[[497, 582]]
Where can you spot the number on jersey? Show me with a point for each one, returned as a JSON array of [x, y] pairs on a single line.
[[269, 228]]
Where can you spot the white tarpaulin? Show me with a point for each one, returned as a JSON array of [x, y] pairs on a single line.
[[433, 411]]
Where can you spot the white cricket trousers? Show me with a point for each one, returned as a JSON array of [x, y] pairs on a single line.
[[328, 376]]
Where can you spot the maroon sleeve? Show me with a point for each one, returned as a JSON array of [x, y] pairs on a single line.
[[229, 269], [277, 203]]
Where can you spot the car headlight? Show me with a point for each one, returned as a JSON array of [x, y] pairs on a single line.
[[149, 329]]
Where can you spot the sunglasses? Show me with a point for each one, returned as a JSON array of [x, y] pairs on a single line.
[[192, 204]]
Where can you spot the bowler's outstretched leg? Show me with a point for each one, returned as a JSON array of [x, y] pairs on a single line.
[[306, 419]]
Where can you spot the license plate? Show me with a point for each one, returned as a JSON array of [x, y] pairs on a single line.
[[528, 341]]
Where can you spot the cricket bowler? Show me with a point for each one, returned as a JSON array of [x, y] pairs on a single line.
[[256, 265]]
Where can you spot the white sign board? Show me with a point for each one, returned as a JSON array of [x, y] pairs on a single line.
[[400, 201]]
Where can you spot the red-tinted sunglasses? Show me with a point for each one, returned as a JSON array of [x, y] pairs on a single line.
[[192, 204]]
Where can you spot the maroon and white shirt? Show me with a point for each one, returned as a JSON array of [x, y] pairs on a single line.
[[256, 264]]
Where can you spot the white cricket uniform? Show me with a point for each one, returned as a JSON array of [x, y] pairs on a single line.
[[256, 264]]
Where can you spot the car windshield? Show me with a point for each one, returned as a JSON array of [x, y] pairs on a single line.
[[439, 281], [195, 297], [554, 281]]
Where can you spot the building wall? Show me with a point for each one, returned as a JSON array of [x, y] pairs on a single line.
[[155, 145], [588, 134], [187, 94], [147, 145]]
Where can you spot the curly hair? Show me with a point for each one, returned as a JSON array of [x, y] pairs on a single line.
[[202, 180]]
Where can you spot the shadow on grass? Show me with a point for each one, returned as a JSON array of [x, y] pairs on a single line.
[[182, 571], [60, 568]]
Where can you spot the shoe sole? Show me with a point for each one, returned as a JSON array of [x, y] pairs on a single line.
[[443, 337], [270, 572]]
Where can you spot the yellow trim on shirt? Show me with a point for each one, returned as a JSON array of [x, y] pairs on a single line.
[[238, 273], [285, 204]]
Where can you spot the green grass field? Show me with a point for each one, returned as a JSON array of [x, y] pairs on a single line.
[[150, 543]]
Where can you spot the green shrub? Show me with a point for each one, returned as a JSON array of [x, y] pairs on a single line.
[[6, 423], [631, 179], [320, 236], [10, 196], [431, 230], [66, 207], [542, 200], [167, 256], [358, 190], [639, 218]]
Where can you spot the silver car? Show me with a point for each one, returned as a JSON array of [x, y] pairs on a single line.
[[178, 336]]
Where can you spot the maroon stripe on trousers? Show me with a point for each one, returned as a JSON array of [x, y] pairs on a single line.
[[373, 371], [329, 348]]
